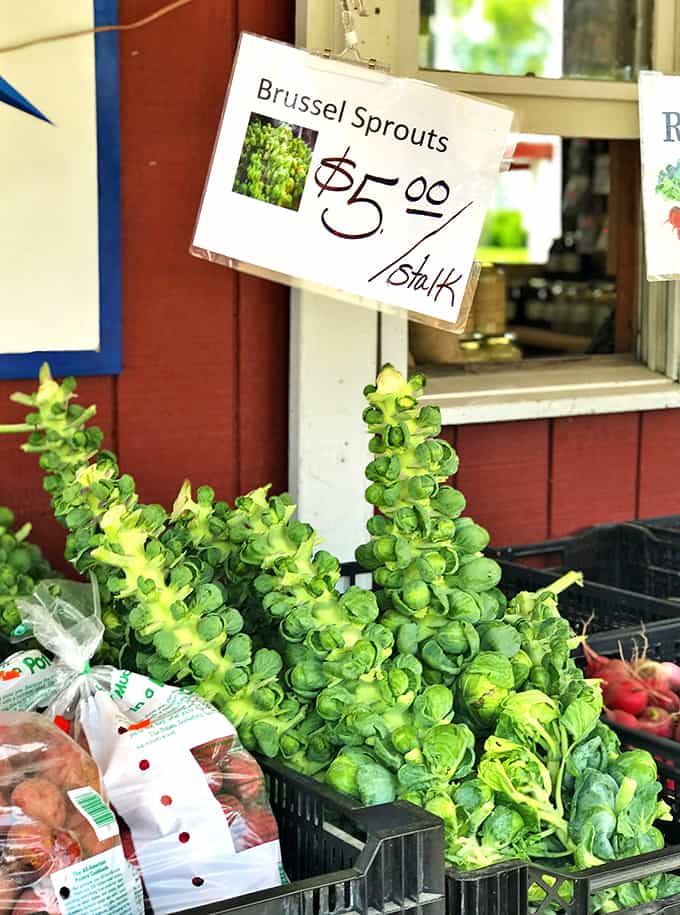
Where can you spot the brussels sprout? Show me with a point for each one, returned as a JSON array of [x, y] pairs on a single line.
[[521, 667], [480, 574], [471, 537], [449, 502], [483, 685], [443, 807], [416, 595], [499, 637], [343, 771]]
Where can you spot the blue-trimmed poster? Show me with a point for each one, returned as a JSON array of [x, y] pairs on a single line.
[[60, 273]]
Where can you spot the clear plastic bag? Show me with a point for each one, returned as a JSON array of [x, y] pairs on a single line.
[[190, 800], [54, 820]]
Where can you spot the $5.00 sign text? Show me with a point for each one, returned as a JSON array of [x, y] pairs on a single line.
[[349, 180]]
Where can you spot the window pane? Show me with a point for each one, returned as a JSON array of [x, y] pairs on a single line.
[[592, 39], [549, 284]]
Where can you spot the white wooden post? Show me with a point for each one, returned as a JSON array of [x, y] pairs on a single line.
[[336, 348]]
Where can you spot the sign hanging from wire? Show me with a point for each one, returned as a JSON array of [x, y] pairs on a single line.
[[351, 182]]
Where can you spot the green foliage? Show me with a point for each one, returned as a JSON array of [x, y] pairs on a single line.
[[22, 566], [517, 41], [482, 687], [273, 165], [434, 689], [162, 608], [503, 229], [668, 182], [433, 586]]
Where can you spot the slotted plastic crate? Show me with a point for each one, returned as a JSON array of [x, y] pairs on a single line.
[[609, 607], [663, 525], [344, 859], [505, 888], [641, 557], [407, 877], [586, 883]]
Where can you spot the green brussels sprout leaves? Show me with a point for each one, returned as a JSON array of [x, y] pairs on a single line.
[[433, 688]]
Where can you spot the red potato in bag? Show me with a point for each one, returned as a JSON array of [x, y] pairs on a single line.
[[198, 825], [52, 820]]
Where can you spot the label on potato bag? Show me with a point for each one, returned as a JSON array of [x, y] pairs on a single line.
[[142, 735], [27, 681], [103, 885], [96, 811]]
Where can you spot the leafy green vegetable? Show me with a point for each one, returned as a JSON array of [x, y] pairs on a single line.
[[482, 687], [360, 688], [668, 182], [274, 163], [22, 566]]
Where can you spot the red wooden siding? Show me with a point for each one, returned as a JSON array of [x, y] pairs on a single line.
[[659, 485], [205, 386], [526, 481], [498, 461], [594, 470], [204, 391]]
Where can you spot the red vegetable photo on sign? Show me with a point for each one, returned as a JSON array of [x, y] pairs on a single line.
[[668, 186]]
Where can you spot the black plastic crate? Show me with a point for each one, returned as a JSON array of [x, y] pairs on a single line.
[[504, 888], [586, 883], [499, 890], [402, 877], [343, 859], [666, 524], [664, 547], [605, 607], [632, 557], [308, 808]]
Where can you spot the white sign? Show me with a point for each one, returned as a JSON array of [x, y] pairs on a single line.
[[350, 180], [660, 149], [49, 230]]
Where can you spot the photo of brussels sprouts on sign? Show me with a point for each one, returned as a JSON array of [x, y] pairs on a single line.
[[330, 176]]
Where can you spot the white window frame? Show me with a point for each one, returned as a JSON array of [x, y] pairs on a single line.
[[337, 348]]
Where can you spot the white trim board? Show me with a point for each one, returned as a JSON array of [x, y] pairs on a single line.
[[597, 386], [336, 348]]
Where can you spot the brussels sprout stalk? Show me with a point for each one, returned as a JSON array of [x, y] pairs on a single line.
[[170, 609], [365, 690], [435, 586]]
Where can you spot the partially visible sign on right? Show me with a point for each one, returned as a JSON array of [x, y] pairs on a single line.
[[659, 97]]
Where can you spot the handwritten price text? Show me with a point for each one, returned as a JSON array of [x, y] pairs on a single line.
[[337, 174]]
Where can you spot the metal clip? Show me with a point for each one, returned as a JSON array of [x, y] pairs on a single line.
[[349, 10]]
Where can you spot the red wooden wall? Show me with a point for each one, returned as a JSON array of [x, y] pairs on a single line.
[[203, 393], [526, 481], [204, 389]]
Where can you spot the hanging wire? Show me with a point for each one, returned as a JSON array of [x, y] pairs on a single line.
[[125, 27], [349, 9]]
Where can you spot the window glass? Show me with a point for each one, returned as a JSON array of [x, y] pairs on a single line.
[[593, 39], [548, 287]]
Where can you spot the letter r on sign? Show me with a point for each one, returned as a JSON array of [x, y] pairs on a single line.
[[672, 123]]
